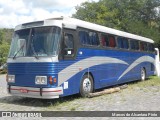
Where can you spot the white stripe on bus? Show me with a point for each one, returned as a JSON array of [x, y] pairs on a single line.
[[136, 62], [75, 68]]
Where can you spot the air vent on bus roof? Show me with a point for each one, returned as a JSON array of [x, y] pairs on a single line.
[[32, 24], [57, 18]]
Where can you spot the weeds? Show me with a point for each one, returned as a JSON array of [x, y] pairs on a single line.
[[151, 81]]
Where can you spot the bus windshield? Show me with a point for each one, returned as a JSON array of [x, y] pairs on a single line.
[[40, 41]]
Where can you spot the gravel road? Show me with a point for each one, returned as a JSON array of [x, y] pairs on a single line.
[[136, 99]]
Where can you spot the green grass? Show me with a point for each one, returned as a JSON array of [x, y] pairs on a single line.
[[71, 103], [151, 81]]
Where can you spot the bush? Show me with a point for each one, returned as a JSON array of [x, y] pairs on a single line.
[[3, 72], [4, 49]]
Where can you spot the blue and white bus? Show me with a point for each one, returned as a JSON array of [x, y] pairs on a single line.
[[64, 56]]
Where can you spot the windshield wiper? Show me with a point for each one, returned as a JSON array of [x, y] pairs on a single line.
[[34, 52], [31, 44], [18, 51]]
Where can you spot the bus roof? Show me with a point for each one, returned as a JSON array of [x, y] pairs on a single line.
[[73, 23], [100, 28]]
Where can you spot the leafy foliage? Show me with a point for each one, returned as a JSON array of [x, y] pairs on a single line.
[[4, 48], [5, 39], [141, 17], [1, 36]]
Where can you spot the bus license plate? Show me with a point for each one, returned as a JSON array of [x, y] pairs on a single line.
[[24, 91]]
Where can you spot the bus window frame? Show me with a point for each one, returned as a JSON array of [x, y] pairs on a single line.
[[108, 36], [62, 55], [130, 45], [86, 45], [149, 49], [123, 38]]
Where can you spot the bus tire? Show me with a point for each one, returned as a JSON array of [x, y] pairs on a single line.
[[86, 85], [143, 74]]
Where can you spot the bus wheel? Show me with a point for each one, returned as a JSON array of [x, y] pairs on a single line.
[[143, 74], [86, 85]]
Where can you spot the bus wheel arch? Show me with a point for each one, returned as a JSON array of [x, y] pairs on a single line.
[[143, 74], [86, 84]]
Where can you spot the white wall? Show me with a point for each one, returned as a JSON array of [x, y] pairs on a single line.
[[157, 63]]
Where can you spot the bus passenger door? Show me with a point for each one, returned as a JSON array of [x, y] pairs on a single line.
[[67, 70], [68, 45]]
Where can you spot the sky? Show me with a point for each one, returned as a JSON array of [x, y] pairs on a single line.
[[14, 12]]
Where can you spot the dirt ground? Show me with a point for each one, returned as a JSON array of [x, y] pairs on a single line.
[[129, 99]]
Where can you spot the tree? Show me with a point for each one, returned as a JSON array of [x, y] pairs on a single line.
[[139, 17], [4, 49], [5, 38], [1, 36]]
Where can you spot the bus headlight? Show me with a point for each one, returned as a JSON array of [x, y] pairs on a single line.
[[41, 80], [11, 78]]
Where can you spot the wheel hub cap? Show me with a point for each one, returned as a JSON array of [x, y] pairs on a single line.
[[87, 85]]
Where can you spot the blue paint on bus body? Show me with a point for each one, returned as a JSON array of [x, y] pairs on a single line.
[[104, 74]]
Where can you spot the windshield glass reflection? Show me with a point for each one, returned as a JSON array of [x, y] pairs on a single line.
[[41, 41]]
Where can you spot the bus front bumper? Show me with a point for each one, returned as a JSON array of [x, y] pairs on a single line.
[[44, 93]]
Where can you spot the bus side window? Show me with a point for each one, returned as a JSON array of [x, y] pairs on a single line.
[[150, 47], [89, 38], [120, 42], [145, 46], [132, 45], [136, 45], [68, 44], [112, 42], [125, 43], [94, 39], [83, 35], [141, 46], [105, 40]]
